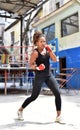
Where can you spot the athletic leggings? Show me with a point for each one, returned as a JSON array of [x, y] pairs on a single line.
[[51, 83]]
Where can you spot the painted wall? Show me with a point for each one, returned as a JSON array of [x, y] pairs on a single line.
[[72, 61], [51, 6], [8, 42], [72, 57], [70, 41], [7, 34]]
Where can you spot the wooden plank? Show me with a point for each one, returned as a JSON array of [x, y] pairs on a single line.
[[60, 79]]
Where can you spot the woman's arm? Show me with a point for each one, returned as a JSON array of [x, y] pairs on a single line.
[[33, 58], [32, 63], [52, 55]]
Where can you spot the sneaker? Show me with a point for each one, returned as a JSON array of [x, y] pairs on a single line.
[[59, 120], [20, 115]]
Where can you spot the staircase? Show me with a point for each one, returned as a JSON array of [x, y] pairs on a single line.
[[65, 76]]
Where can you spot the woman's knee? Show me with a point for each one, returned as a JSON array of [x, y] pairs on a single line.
[[34, 97], [57, 94]]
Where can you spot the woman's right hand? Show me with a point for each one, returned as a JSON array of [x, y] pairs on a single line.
[[48, 48], [40, 67]]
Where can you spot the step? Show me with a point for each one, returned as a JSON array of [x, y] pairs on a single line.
[[64, 74], [62, 80]]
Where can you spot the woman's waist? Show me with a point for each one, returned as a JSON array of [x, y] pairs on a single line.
[[43, 72]]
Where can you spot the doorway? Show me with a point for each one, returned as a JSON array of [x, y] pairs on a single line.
[[63, 65]]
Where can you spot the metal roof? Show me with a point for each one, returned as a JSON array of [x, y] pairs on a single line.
[[19, 7]]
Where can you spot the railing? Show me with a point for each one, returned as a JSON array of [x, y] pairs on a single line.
[[14, 66], [70, 79]]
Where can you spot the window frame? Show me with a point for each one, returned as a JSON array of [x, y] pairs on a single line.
[[48, 27], [62, 31]]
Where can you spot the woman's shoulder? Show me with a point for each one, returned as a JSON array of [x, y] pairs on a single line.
[[35, 53]]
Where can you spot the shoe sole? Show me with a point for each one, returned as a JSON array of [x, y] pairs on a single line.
[[17, 119], [60, 122]]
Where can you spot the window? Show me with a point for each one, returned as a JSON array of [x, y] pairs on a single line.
[[57, 5], [49, 32], [70, 25], [12, 37]]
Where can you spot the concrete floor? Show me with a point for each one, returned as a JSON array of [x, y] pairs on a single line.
[[40, 114]]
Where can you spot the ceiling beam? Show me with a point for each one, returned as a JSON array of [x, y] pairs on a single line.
[[40, 4]]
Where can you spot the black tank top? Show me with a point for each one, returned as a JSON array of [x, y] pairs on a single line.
[[43, 59]]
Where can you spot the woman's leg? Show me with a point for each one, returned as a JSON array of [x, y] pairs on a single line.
[[53, 85], [35, 92]]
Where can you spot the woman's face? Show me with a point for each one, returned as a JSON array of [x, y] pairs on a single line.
[[41, 42]]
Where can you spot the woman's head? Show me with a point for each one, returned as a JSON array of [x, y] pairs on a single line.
[[39, 38]]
